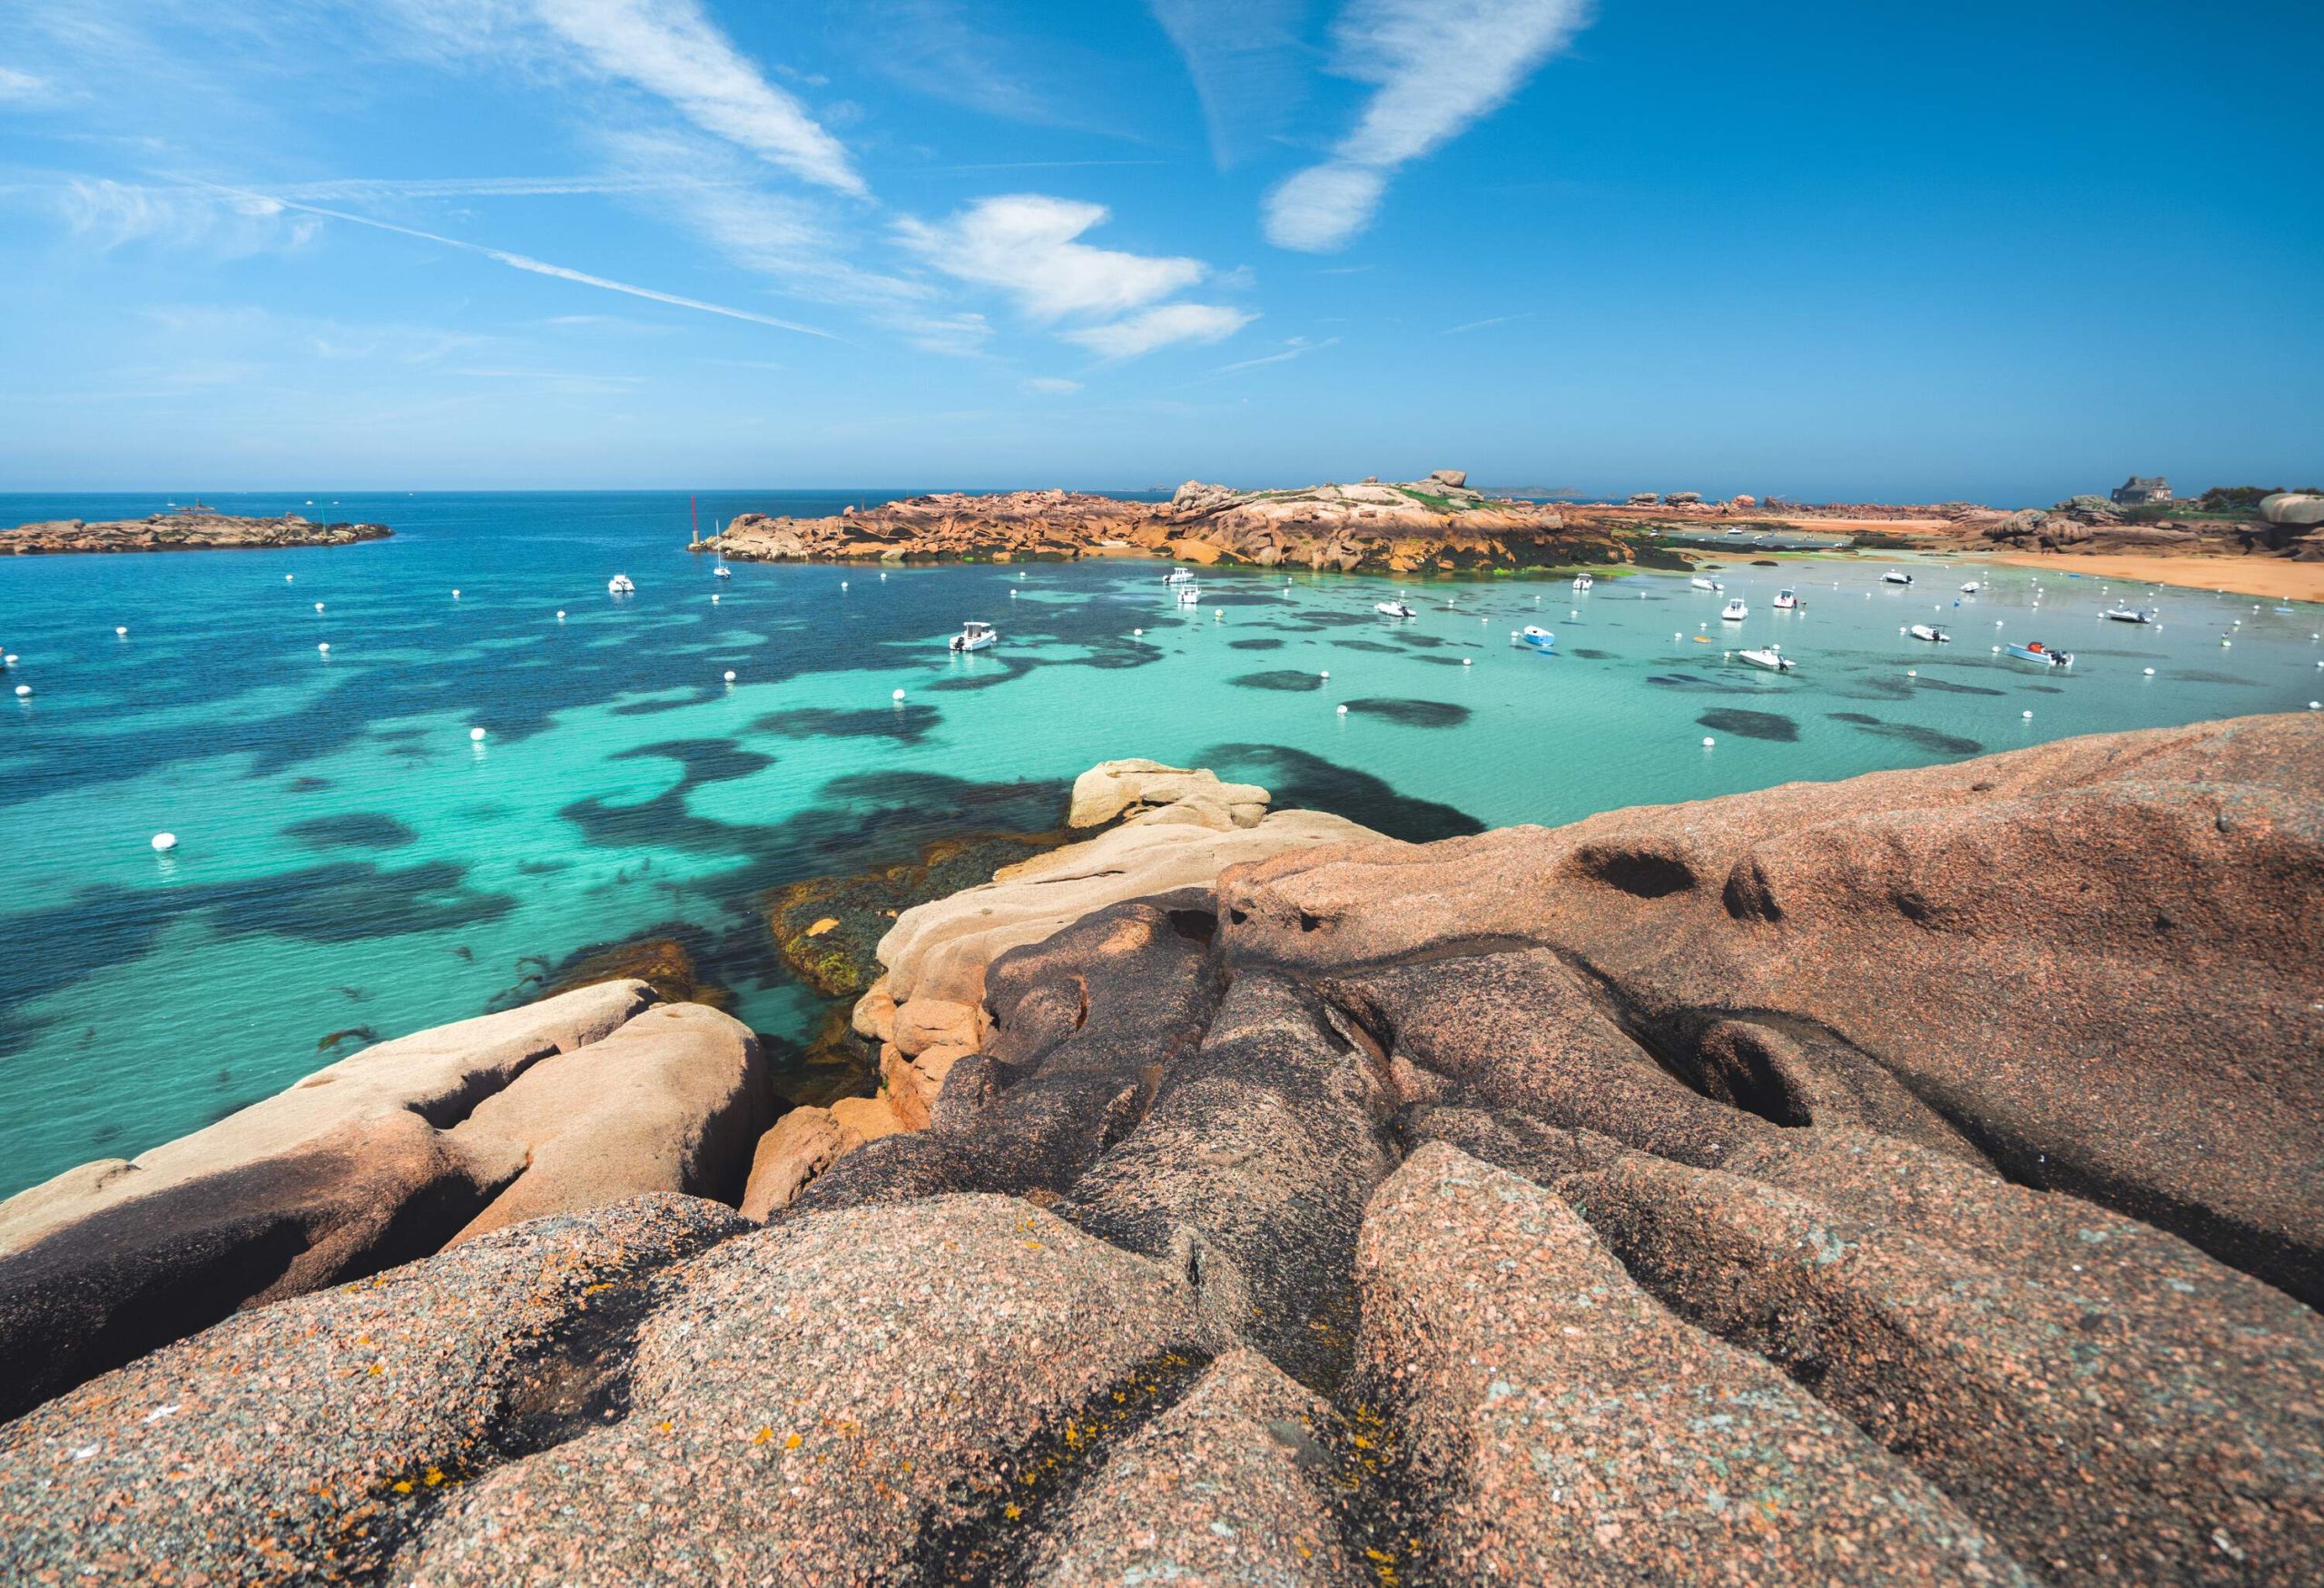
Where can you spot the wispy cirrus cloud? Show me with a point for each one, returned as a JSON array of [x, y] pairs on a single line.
[[1440, 66], [1248, 65], [107, 215], [1482, 324], [672, 50], [1297, 347], [24, 87], [1052, 385]]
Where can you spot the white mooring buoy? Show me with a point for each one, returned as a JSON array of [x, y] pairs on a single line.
[[730, 675], [122, 632], [165, 842], [23, 692], [476, 734], [899, 694], [1708, 741], [324, 648]]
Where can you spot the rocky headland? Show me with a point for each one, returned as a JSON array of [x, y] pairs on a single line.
[[184, 531], [1917, 1178], [1434, 525]]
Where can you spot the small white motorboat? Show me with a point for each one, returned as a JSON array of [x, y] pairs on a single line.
[[2131, 614], [1893, 577], [975, 636], [1535, 638], [1785, 600], [1701, 583], [1970, 589], [2035, 651], [1772, 658], [1734, 611], [1179, 576], [1189, 595], [620, 585], [1393, 609], [723, 571], [1583, 581], [1930, 632]]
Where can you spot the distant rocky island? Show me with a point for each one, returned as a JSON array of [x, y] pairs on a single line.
[[1433, 525], [195, 529], [1917, 1178]]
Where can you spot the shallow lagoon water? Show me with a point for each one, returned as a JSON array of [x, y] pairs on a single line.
[[350, 861]]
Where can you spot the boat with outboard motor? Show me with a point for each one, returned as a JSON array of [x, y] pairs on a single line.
[[1393, 609], [1701, 583], [1534, 637], [1970, 589], [620, 585], [1735, 611], [1583, 581], [1768, 656], [1894, 577], [1189, 595], [1786, 600], [2129, 614], [975, 636], [2035, 651], [1179, 576], [1929, 631]]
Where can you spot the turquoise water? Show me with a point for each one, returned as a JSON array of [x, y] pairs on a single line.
[[349, 858]]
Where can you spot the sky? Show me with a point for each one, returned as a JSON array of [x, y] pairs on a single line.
[[1837, 251]]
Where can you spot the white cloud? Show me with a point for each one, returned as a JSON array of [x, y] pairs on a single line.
[[1481, 324], [1323, 207], [1024, 244], [1052, 385], [1440, 65], [669, 48], [1156, 328]]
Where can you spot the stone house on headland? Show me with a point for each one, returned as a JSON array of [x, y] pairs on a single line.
[[2140, 488]]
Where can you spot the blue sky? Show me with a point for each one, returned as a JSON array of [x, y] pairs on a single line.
[[1835, 251]]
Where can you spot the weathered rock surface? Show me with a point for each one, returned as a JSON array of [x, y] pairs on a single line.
[[196, 531], [804, 1143], [303, 1442], [1434, 524], [2096, 960], [1862, 1183], [1569, 1429], [587, 1098], [1138, 787], [1229, 1486]]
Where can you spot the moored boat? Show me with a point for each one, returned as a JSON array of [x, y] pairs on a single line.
[[1582, 581], [2131, 614], [1534, 637], [1189, 595], [2035, 651], [975, 636], [1970, 589], [1929, 631], [723, 571], [620, 585], [1895, 577], [1770, 658], [1393, 609], [1701, 583], [1179, 576], [1735, 611], [1785, 600]]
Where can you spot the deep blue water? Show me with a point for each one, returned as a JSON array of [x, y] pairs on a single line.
[[349, 858]]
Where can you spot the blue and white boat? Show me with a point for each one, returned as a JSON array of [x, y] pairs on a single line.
[[1535, 638], [2038, 652]]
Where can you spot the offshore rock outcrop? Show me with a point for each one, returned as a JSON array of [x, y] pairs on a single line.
[[1434, 525], [1914, 1179], [193, 530]]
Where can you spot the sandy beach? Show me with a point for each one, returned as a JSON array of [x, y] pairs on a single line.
[[2272, 578]]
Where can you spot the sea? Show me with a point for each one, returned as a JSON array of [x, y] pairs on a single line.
[[354, 862]]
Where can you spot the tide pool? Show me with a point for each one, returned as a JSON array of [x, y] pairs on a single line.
[[352, 864]]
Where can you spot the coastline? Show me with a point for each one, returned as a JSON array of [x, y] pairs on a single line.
[[2278, 579], [1241, 1139], [182, 531]]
